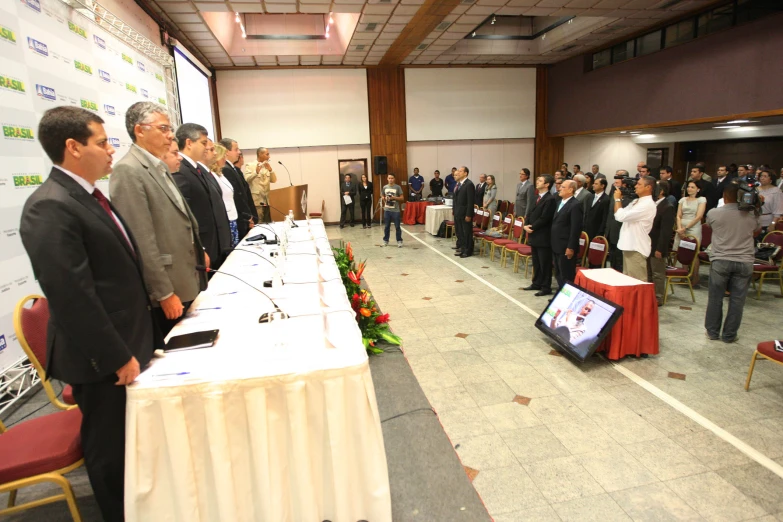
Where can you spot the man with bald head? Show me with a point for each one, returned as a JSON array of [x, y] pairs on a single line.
[[259, 175], [566, 229]]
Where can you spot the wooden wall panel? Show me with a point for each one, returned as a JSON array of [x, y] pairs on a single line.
[[388, 134], [549, 151]]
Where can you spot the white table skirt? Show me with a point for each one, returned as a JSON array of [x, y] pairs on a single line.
[[434, 216], [276, 422]]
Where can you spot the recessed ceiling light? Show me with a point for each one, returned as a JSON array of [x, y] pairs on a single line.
[[738, 121], [647, 136], [726, 127], [623, 132]]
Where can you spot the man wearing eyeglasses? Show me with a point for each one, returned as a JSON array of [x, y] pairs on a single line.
[[143, 190]]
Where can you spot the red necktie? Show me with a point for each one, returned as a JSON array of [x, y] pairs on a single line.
[[538, 199], [104, 203]]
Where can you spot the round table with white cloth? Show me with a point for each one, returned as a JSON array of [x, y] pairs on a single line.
[[436, 214]]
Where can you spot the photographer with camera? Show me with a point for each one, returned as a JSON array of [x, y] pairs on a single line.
[[637, 219], [612, 229], [731, 263]]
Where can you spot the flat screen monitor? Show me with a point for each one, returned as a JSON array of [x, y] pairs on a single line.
[[578, 320]]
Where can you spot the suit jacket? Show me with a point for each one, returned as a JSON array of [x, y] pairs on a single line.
[[716, 193], [206, 203], [365, 194], [583, 195], [464, 199], [540, 218], [595, 216], [168, 236], [100, 315], [532, 195], [248, 195], [567, 226], [352, 190], [663, 225], [520, 205], [478, 197], [242, 198]]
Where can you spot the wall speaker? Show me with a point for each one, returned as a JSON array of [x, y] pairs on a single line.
[[379, 165]]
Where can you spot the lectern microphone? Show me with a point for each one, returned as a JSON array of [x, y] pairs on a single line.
[[289, 173], [264, 317]]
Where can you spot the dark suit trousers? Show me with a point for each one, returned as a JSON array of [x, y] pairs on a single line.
[[349, 208], [103, 443], [542, 267], [464, 236], [164, 324], [565, 269], [616, 258], [366, 205]]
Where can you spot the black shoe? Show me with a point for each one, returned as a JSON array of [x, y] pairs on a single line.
[[455, 248], [342, 226], [353, 225], [465, 255], [543, 292], [532, 287], [457, 253]]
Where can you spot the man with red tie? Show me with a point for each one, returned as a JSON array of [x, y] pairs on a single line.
[[100, 331]]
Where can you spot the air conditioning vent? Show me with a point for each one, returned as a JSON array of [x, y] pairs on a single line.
[[566, 48], [370, 27], [384, 1], [360, 47], [443, 26], [669, 4], [421, 47]]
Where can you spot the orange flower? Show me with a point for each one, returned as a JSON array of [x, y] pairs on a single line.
[[365, 312], [349, 251]]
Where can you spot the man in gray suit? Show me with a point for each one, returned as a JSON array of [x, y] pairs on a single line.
[[143, 190], [523, 189]]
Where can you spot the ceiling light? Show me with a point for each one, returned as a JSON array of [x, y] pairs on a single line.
[[474, 34], [726, 127], [493, 20], [738, 121], [236, 18], [623, 132], [331, 20], [327, 34], [646, 136]]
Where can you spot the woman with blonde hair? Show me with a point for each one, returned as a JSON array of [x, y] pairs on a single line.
[[216, 168], [491, 195]]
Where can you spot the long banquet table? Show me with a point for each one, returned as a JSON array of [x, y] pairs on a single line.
[[276, 422]]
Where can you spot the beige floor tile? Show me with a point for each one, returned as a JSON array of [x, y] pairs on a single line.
[[462, 358], [626, 427], [507, 490], [465, 424], [533, 385], [538, 514], [562, 479], [477, 373], [599, 508], [669, 421], [758, 484], [714, 498], [555, 409], [498, 353], [489, 393], [534, 444], [508, 416], [580, 435], [485, 452], [666, 459], [712, 451], [654, 503], [616, 469], [513, 370], [447, 399]]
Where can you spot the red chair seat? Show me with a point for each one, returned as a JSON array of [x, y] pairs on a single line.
[[768, 348], [677, 271], [40, 445], [503, 241], [525, 250], [704, 256], [315, 214], [449, 223], [765, 268], [68, 395]]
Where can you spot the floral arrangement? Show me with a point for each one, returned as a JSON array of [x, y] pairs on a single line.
[[373, 325]]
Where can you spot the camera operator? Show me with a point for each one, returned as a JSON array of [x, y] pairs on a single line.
[[731, 264], [637, 219], [612, 229]]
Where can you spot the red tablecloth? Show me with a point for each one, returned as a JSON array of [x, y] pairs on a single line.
[[414, 212], [636, 332]]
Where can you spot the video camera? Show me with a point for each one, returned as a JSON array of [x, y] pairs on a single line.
[[628, 188], [748, 195]]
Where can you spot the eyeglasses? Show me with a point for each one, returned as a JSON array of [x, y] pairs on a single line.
[[165, 129]]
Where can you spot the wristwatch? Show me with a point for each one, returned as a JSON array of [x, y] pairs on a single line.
[[618, 200]]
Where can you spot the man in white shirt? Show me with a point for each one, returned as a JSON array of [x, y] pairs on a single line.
[[637, 219]]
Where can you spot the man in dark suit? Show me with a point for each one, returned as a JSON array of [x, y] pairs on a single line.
[[239, 164], [481, 186], [202, 197], [675, 188], [660, 237], [101, 330], [539, 229], [596, 209], [719, 183], [243, 200], [347, 188], [464, 196], [566, 230]]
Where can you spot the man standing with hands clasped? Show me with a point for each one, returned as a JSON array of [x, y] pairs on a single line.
[[539, 235], [347, 199], [566, 230], [464, 195], [260, 176], [84, 256], [660, 238], [637, 219]]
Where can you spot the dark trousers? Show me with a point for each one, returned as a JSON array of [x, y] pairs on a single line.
[[542, 267], [390, 217], [264, 214], [103, 444], [615, 257], [349, 208], [464, 230], [366, 205], [164, 324], [565, 269], [734, 277]]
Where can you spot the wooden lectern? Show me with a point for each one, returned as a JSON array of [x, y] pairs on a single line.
[[288, 198]]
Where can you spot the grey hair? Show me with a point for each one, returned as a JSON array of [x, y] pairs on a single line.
[[189, 131], [140, 113], [580, 178]]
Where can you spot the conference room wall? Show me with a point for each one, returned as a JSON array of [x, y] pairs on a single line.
[[611, 153], [318, 168], [502, 158]]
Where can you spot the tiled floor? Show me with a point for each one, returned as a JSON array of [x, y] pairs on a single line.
[[555, 440]]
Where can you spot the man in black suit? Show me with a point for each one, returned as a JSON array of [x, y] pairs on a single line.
[[675, 188], [566, 230], [539, 230], [464, 195], [100, 331], [719, 183], [481, 186], [347, 188], [204, 201], [243, 200], [660, 237], [596, 209]]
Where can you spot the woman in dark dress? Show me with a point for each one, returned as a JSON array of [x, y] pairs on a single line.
[[365, 201]]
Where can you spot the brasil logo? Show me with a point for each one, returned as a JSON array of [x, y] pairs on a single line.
[[7, 35], [37, 47], [159, 77], [127, 58], [75, 29], [12, 132], [30, 180], [88, 104], [45, 93], [114, 142], [83, 67], [161, 101], [131, 88], [100, 42], [12, 84]]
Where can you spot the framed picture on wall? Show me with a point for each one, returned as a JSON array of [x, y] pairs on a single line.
[[354, 167]]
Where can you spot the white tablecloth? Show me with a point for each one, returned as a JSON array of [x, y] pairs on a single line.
[[610, 276], [277, 422], [435, 215]]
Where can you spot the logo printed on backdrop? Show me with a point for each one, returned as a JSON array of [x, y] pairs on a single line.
[[109, 109], [114, 142], [145, 93], [88, 104], [3, 344], [75, 29], [83, 67], [7, 35], [127, 58], [35, 5], [13, 132], [131, 88], [28, 180], [105, 76], [45, 93], [100, 42], [140, 65], [12, 84], [161, 101], [37, 47], [159, 77]]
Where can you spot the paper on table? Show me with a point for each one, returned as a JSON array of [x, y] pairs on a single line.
[[347, 199]]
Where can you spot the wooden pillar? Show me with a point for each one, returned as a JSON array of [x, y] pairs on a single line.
[[549, 152], [388, 135]]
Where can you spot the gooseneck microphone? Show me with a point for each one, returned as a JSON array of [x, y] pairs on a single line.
[[264, 317], [293, 224], [289, 173], [267, 227]]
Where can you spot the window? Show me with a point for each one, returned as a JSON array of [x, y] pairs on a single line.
[[648, 43], [602, 59], [622, 52], [679, 32], [715, 20], [748, 10]]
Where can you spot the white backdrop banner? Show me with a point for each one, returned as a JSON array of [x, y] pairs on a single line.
[[51, 55]]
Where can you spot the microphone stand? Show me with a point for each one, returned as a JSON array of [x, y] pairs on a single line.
[[264, 317], [289, 173]]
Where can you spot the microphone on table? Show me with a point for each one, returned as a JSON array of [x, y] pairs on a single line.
[[293, 224], [265, 316], [289, 173], [272, 242]]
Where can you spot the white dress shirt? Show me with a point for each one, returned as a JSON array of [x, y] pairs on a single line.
[[596, 198], [228, 196], [637, 219]]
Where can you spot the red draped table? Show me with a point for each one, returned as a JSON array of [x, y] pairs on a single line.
[[414, 212], [636, 332]]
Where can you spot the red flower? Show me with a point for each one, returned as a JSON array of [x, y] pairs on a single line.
[[355, 279], [382, 319], [355, 301], [349, 251]]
